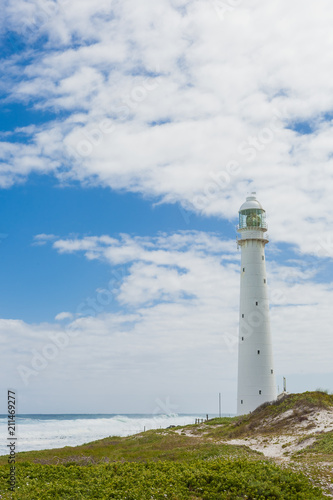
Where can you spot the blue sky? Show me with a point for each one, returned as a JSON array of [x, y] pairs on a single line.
[[126, 150], [35, 278]]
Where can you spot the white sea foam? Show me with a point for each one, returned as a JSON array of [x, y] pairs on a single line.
[[39, 432]]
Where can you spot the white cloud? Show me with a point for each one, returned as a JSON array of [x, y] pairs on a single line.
[[218, 89], [63, 315], [42, 239], [174, 330]]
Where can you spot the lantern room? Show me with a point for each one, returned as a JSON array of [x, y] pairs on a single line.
[[252, 215]]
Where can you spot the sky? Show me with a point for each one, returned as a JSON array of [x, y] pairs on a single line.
[[131, 133]]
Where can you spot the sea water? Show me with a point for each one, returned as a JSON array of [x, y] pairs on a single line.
[[40, 432]]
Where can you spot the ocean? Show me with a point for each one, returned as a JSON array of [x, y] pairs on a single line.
[[40, 432]]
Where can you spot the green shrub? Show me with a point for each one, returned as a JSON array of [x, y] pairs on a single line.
[[205, 480]]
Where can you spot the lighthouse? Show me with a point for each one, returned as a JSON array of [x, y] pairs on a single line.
[[256, 377]]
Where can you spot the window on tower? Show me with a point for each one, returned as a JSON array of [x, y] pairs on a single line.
[[262, 257], [257, 303], [259, 392], [258, 351], [272, 371], [242, 315], [264, 280], [241, 401], [242, 338], [243, 269]]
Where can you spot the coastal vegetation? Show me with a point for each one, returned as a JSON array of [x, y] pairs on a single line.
[[219, 459]]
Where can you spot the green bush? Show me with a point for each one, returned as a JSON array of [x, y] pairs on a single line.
[[205, 480]]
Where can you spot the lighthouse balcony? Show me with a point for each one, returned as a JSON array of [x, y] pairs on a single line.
[[252, 235], [253, 225]]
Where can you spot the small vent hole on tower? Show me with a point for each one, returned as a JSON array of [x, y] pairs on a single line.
[[257, 303], [242, 315], [259, 392], [264, 281], [243, 269], [262, 257], [272, 372], [258, 352], [242, 338], [241, 401]]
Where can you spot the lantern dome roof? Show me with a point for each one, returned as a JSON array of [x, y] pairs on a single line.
[[251, 203]]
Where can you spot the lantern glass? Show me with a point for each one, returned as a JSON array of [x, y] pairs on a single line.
[[252, 218]]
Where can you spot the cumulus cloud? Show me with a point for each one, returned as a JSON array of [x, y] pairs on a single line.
[[166, 323], [186, 102], [194, 271]]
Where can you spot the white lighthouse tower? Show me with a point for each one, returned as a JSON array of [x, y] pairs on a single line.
[[256, 378]]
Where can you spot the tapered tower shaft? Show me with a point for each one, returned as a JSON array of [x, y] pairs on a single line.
[[256, 377]]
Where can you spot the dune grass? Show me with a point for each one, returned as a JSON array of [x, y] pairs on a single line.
[[150, 445], [320, 451], [264, 419]]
